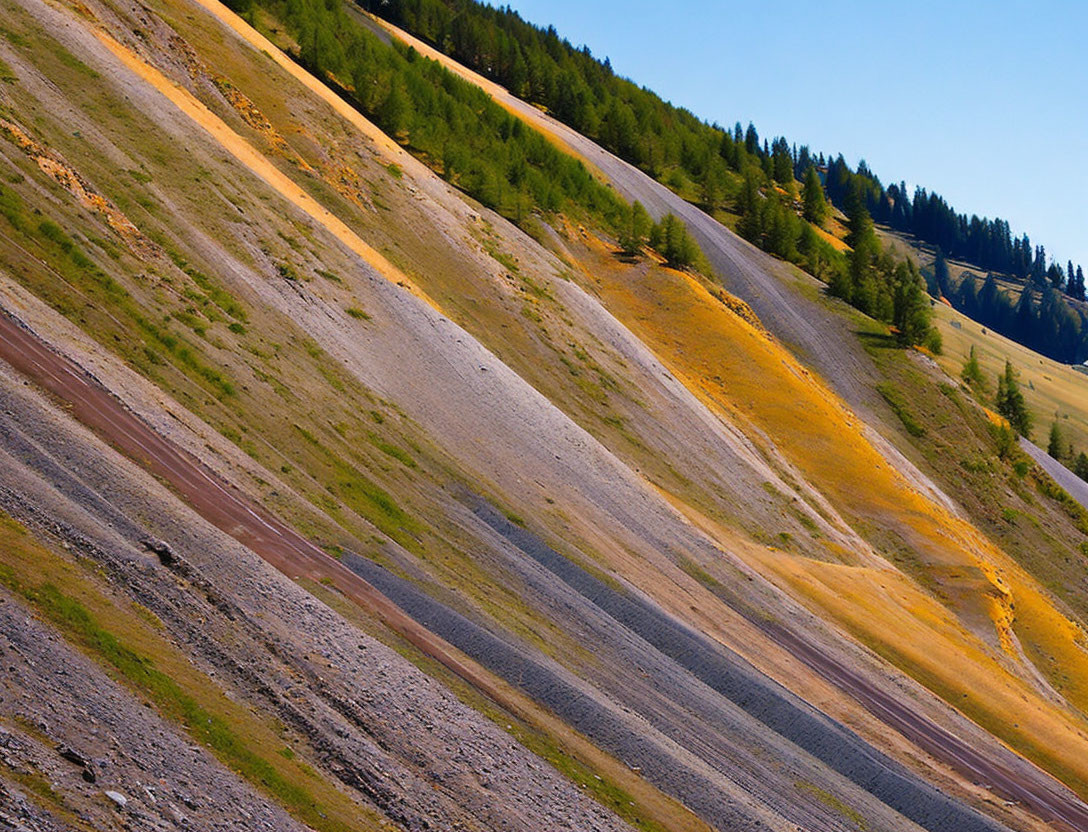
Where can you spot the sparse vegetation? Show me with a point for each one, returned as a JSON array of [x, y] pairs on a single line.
[[198, 713], [899, 406], [74, 278]]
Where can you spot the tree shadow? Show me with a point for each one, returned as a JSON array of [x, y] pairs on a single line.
[[624, 257], [877, 340]]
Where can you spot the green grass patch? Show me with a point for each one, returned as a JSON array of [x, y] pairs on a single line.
[[392, 450], [508, 261], [698, 573], [898, 404], [363, 496], [514, 518], [71, 268], [216, 294], [287, 272], [832, 802]]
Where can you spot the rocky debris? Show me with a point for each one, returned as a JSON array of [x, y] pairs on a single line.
[[119, 799], [94, 725], [73, 756], [55, 167], [368, 718], [163, 550], [19, 813]]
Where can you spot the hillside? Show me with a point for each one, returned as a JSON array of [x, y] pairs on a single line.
[[337, 494], [775, 193], [1055, 392]]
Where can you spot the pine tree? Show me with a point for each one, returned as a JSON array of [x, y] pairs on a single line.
[[636, 226], [911, 310], [711, 186], [860, 264], [1054, 445], [783, 161], [671, 239], [1055, 275], [395, 112], [1080, 467], [815, 204], [941, 275], [1075, 289], [972, 372], [750, 226], [1010, 401], [751, 139]]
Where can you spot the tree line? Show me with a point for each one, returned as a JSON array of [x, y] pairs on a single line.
[[1039, 314], [985, 243], [456, 128], [1039, 317], [692, 156]]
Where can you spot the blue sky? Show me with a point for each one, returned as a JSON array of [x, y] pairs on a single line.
[[984, 102]]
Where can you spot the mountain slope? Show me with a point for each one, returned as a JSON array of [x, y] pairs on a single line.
[[562, 510], [794, 328]]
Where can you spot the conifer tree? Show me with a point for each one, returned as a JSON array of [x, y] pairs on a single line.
[[636, 226], [1080, 467], [815, 204], [1054, 445], [911, 310], [750, 226], [751, 139], [394, 113], [1010, 401], [1075, 289], [972, 372], [671, 239], [783, 161], [941, 276]]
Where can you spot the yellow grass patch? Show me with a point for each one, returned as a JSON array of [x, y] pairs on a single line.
[[1050, 388], [737, 370], [836, 242]]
